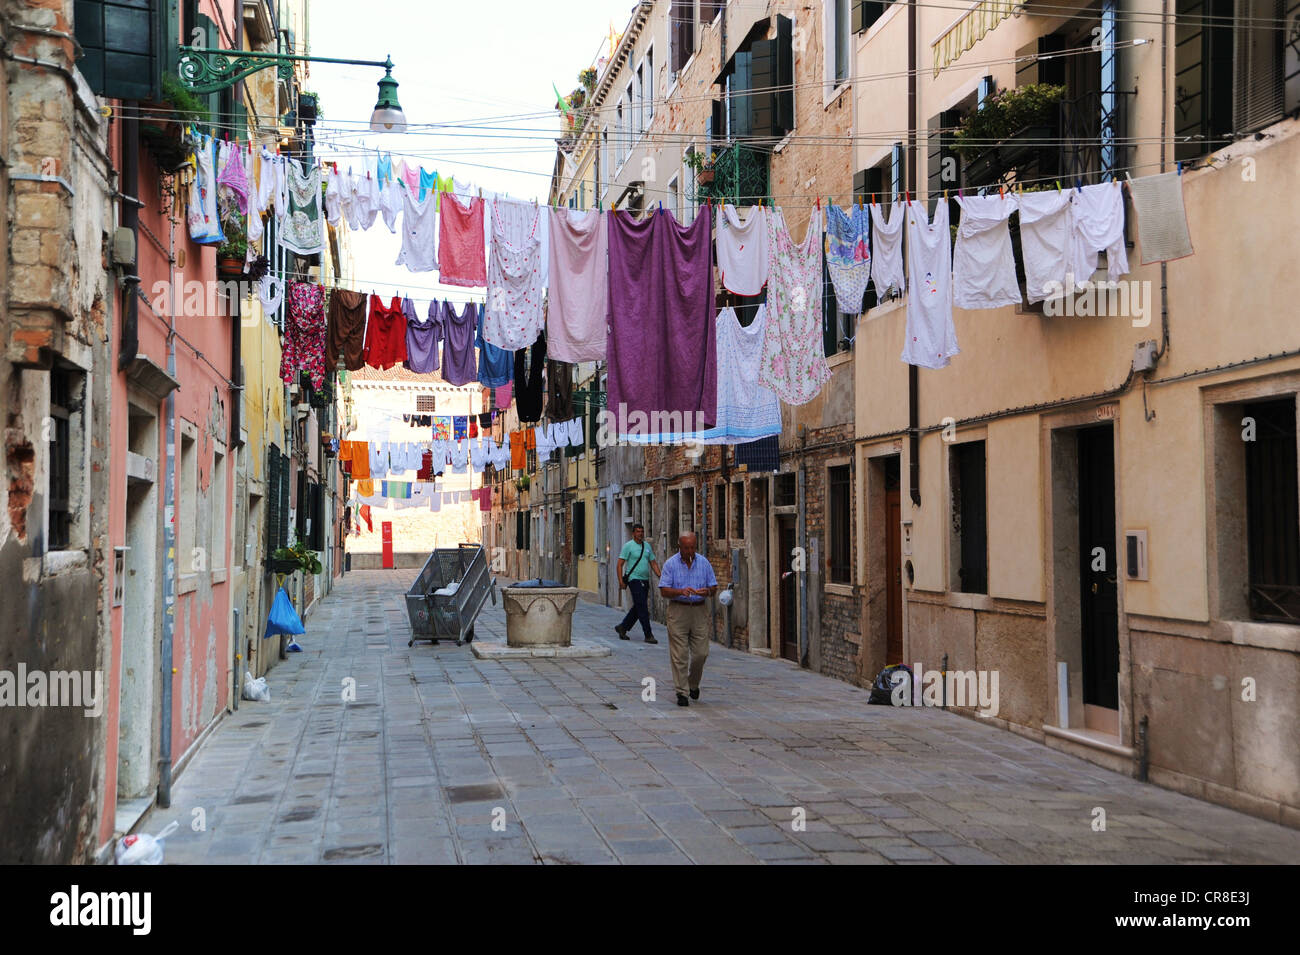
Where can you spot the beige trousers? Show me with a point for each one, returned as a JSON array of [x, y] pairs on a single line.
[[688, 640]]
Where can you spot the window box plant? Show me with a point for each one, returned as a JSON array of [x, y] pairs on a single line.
[[297, 556], [162, 129], [1011, 126], [703, 166]]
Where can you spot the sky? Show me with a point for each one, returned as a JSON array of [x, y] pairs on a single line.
[[484, 63]]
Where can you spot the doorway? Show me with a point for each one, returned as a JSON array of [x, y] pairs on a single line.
[[787, 587], [138, 664], [1098, 579], [893, 527]]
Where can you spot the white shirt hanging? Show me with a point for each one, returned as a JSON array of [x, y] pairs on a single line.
[[1046, 245], [887, 248], [931, 337], [742, 249], [983, 265]]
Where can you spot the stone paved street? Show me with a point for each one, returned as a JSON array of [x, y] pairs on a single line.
[[581, 770]]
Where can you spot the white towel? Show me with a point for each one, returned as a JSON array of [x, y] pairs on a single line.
[[1162, 219]]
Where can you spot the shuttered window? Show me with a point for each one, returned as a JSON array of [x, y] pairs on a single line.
[[867, 12], [839, 525], [119, 40], [681, 30], [579, 528], [970, 516], [1272, 523], [1257, 65]]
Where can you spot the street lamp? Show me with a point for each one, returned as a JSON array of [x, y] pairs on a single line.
[[205, 70], [388, 116]]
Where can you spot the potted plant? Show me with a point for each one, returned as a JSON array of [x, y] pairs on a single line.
[[1009, 125], [522, 482], [231, 253], [702, 164], [297, 556], [163, 128]]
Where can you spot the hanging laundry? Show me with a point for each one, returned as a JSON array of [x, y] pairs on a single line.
[[504, 394], [742, 249], [459, 427], [458, 360], [747, 410], [419, 235], [559, 390], [392, 201], [385, 334], [347, 330], [519, 448], [579, 283], [1098, 218], [425, 470], [759, 456], [1161, 217], [473, 426], [662, 339], [422, 339], [514, 283], [544, 436], [304, 334], [411, 176], [232, 181], [441, 428], [485, 419], [444, 184], [397, 489], [848, 256], [204, 220], [794, 361], [270, 292], [267, 178], [887, 248], [428, 186], [1045, 242], [367, 201], [357, 454], [301, 227], [575, 436], [496, 366], [931, 337], [259, 194], [485, 499], [334, 189], [366, 488], [529, 393], [983, 265], [378, 459], [461, 243]]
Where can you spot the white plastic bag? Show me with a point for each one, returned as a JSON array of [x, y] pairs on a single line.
[[256, 689], [142, 848]]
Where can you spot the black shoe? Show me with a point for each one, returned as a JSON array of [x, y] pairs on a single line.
[[649, 639], [682, 701], [622, 632], [695, 693]]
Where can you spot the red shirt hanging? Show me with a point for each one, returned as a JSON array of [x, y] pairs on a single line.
[[385, 333]]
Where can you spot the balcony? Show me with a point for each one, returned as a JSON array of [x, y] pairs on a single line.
[[739, 176]]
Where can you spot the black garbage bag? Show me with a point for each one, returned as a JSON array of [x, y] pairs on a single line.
[[883, 689]]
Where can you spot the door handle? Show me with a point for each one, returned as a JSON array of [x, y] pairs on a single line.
[[1094, 586]]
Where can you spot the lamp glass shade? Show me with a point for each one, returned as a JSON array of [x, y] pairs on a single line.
[[384, 120]]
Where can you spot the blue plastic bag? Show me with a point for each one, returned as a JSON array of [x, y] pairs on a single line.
[[282, 618]]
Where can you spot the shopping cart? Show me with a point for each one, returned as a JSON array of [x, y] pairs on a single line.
[[446, 598]]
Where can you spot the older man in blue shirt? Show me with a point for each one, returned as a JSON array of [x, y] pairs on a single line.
[[686, 581]]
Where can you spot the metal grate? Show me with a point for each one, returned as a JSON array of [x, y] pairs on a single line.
[[1272, 521]]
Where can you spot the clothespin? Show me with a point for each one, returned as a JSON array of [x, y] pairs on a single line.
[[961, 192], [819, 203], [1058, 185], [1078, 184], [1002, 192], [1180, 167]]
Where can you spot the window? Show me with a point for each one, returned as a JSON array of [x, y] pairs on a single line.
[[424, 404], [1231, 71], [839, 525], [866, 12], [620, 136], [720, 512], [217, 501], [839, 55], [1272, 524], [709, 10], [738, 511], [648, 97], [604, 160], [254, 519], [786, 492], [692, 202], [681, 34], [579, 528], [767, 68], [521, 530], [121, 55], [687, 511], [187, 492], [640, 107], [633, 121], [59, 533], [674, 198], [969, 531]]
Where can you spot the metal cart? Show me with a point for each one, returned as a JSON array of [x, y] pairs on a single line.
[[446, 598]]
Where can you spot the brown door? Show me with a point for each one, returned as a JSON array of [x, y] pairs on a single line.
[[787, 587], [894, 576]]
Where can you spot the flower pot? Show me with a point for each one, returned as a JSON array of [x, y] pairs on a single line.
[[705, 177], [164, 139], [230, 267], [284, 566]]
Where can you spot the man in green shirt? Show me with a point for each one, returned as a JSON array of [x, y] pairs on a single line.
[[635, 561]]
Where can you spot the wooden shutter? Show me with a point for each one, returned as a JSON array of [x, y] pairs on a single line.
[[784, 94], [942, 165], [1203, 76], [1291, 58], [1257, 65], [1033, 70], [579, 527], [120, 43], [741, 81], [868, 183], [762, 79], [282, 524], [866, 13], [682, 26], [316, 498]]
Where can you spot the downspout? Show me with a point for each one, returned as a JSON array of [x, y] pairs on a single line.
[[130, 335], [913, 374], [169, 528], [803, 548]]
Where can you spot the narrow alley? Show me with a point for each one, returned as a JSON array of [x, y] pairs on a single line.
[[445, 758]]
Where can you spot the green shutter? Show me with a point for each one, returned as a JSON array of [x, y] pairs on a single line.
[[762, 104], [120, 41], [784, 74]]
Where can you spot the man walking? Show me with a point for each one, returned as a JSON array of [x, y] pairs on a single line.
[[635, 561], [686, 580]]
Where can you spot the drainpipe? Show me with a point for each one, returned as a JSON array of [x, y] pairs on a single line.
[[237, 641], [169, 531], [803, 548], [1144, 759], [913, 375]]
